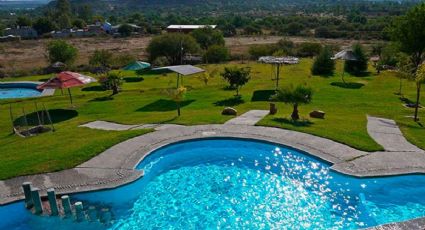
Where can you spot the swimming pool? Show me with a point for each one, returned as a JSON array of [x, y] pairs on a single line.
[[216, 183], [19, 90]]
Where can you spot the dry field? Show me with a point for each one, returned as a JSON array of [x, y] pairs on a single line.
[[31, 54]]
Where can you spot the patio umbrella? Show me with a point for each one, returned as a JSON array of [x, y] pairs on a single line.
[[67, 80], [346, 55], [137, 65]]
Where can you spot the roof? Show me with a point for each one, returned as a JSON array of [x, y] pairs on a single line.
[[347, 55], [279, 60], [182, 69], [191, 27]]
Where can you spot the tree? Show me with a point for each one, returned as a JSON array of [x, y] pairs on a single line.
[[216, 54], [177, 95], [23, 21], [85, 12], [324, 64], [359, 65], [309, 49], [43, 25], [125, 30], [207, 37], [294, 28], [172, 46], [63, 14], [112, 81], [61, 51], [101, 58], [419, 80], [294, 96], [236, 77], [408, 32], [79, 23]]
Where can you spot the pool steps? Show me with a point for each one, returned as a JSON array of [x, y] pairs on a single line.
[[62, 207]]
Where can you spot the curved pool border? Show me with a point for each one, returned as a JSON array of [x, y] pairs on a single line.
[[26, 84], [117, 165]]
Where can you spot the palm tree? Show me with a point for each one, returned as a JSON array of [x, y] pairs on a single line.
[[294, 96]]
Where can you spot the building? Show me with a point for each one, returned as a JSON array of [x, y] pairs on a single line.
[[22, 32], [187, 28]]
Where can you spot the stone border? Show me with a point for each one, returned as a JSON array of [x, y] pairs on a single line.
[[44, 93], [116, 166]]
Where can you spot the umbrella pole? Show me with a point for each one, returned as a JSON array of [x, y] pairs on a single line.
[[70, 95]]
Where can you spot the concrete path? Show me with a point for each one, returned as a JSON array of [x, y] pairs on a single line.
[[111, 126], [386, 133], [249, 118]]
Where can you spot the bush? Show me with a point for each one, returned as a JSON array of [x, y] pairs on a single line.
[[160, 61], [61, 51], [216, 54], [256, 51], [236, 77], [358, 66], [173, 46], [323, 64], [207, 37], [101, 58], [309, 49], [123, 60], [125, 30]]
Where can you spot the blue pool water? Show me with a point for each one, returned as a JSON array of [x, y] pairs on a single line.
[[241, 184], [9, 93]]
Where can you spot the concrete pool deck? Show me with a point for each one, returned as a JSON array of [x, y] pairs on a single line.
[[115, 166]]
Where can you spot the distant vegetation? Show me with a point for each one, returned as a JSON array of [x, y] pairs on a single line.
[[352, 19]]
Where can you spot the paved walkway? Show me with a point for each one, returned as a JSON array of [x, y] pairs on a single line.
[[111, 126], [386, 133], [249, 118]]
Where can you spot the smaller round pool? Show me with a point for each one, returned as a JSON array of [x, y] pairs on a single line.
[[7, 93], [18, 90]]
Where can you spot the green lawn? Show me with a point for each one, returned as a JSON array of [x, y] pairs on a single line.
[[144, 102]]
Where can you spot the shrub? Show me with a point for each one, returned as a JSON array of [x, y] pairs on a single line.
[[323, 64], [294, 96], [101, 58], [172, 46], [309, 49], [236, 77], [256, 51], [61, 51], [216, 54], [125, 30]]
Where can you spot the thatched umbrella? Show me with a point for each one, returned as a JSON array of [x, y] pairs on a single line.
[[346, 55]]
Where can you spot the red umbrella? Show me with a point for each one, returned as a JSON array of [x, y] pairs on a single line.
[[66, 80]]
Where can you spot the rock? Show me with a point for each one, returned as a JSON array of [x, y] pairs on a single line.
[[229, 111], [273, 109], [317, 114]]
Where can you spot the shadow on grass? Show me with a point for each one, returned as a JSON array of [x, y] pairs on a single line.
[[94, 88], [299, 123], [133, 79], [57, 115], [362, 74], [348, 85], [163, 106], [262, 95], [230, 102], [44, 79], [101, 99], [228, 88]]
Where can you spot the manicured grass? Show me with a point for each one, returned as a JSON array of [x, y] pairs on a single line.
[[143, 101]]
